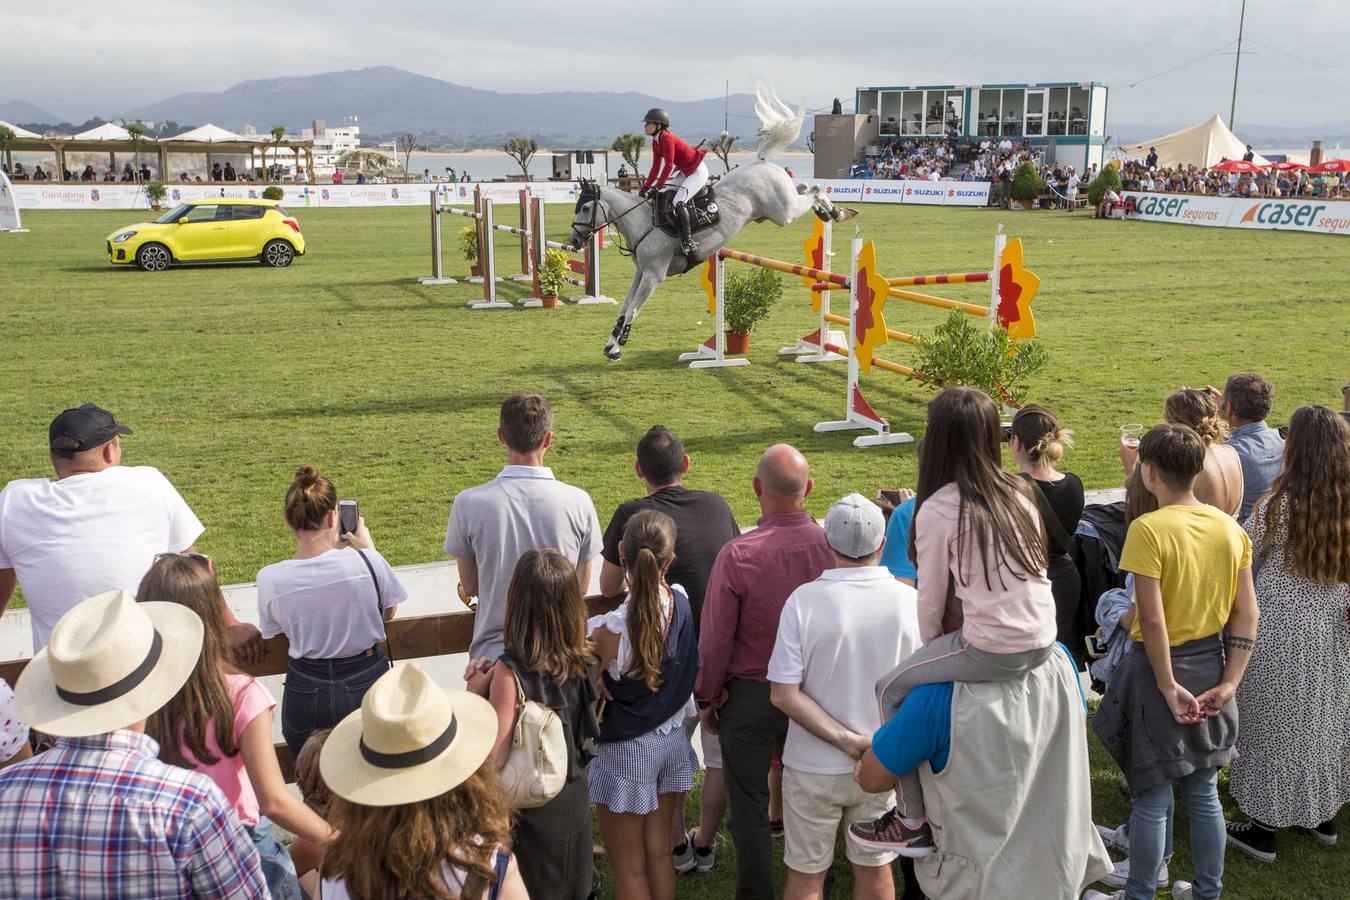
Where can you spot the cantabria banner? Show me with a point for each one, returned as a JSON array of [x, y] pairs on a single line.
[[1291, 214]]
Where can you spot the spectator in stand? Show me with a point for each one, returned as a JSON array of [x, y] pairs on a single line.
[[215, 172], [88, 174], [220, 724], [643, 760], [416, 801], [1244, 405], [1293, 765], [331, 600], [750, 582], [523, 508], [14, 746], [96, 528], [1168, 714], [1250, 154], [977, 537], [145, 172], [1151, 161], [339, 176], [703, 524], [98, 815], [1036, 443], [426, 176], [836, 637], [545, 661], [38, 174]]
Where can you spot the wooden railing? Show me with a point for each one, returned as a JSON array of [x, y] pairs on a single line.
[[415, 637]]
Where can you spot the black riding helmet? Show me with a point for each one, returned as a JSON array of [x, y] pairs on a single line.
[[658, 116]]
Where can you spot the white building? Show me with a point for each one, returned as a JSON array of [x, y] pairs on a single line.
[[331, 143]]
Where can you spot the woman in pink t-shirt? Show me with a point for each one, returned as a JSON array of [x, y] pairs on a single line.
[[220, 724], [986, 609]]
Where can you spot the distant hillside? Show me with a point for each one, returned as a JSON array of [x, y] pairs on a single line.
[[387, 100], [17, 111]]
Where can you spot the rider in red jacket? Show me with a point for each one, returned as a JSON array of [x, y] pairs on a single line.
[[675, 166]]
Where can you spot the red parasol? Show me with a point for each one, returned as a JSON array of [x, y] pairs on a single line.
[[1236, 165], [1332, 165], [1287, 166]]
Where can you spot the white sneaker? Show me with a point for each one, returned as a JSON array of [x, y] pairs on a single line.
[[1181, 890], [1116, 838], [684, 862], [1121, 874], [1098, 895]]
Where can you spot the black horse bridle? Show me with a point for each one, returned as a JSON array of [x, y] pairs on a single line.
[[590, 193]]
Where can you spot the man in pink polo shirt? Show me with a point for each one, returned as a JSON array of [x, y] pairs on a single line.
[[750, 582]]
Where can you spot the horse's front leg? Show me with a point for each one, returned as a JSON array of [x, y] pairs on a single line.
[[640, 291], [825, 210]]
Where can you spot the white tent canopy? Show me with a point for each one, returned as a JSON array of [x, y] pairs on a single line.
[[19, 132], [105, 132], [208, 134], [1204, 145]]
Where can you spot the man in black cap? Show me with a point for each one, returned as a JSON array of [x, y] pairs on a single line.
[[97, 527]]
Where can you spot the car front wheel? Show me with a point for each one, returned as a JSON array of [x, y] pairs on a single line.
[[154, 257], [278, 254]]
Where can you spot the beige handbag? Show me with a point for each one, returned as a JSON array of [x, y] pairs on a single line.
[[536, 770]]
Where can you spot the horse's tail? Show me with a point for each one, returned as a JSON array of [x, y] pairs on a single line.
[[779, 126]]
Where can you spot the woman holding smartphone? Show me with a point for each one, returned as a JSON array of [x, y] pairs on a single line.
[[331, 600]]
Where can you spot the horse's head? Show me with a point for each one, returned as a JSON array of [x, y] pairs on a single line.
[[586, 214]]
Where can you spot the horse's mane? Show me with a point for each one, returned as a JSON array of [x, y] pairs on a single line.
[[779, 126]]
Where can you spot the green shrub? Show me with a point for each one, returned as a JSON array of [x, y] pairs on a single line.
[[155, 192], [747, 297], [273, 192], [1027, 184], [1107, 180], [468, 242], [553, 273], [965, 352]]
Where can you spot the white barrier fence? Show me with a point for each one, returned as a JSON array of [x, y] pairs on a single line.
[[52, 195], [1293, 214]]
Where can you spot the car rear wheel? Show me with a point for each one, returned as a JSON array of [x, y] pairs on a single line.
[[278, 254], [154, 257]]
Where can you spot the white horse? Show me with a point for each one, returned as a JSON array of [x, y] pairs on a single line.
[[758, 192]]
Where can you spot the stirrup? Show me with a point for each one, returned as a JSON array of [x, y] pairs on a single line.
[[690, 247]]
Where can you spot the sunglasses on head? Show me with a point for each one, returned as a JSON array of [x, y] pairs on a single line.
[[199, 557]]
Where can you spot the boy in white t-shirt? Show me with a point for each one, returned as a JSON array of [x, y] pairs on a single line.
[[96, 528], [836, 637]]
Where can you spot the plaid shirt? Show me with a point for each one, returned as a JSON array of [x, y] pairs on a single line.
[[101, 816]]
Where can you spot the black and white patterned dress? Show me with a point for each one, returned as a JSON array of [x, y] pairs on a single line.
[[1293, 766]]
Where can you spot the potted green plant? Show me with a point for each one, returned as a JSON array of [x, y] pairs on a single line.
[[1027, 185], [155, 193], [273, 192], [553, 274], [1107, 180], [747, 297], [965, 352], [468, 243]]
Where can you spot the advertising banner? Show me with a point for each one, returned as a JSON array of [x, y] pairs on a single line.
[[928, 193], [838, 189], [967, 193], [883, 191], [1292, 214], [1183, 209]]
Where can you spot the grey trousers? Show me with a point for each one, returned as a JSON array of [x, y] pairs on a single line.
[[948, 658]]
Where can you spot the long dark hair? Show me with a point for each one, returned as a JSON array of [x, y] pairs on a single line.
[[648, 544], [962, 445], [1312, 495], [202, 705], [545, 625]]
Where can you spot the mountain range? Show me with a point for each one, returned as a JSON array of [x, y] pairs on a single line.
[[386, 100]]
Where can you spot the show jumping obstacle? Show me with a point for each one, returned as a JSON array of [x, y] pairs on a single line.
[[532, 247], [1012, 290]]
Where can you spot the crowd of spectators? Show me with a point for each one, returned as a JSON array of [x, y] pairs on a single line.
[[824, 664], [1269, 182]]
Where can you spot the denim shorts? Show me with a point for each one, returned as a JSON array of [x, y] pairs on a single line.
[[319, 693], [277, 867]]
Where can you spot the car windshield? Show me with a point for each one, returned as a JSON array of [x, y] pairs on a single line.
[[172, 215]]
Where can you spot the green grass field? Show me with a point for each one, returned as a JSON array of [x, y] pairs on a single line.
[[233, 376]]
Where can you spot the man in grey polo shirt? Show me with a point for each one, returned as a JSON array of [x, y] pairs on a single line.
[[523, 508]]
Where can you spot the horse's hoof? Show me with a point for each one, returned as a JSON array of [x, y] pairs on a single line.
[[613, 355], [841, 214], [821, 214]]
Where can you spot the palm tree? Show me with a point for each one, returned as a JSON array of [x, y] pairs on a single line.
[[137, 132], [630, 146], [278, 132]]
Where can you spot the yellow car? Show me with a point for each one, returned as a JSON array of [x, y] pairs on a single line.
[[213, 230]]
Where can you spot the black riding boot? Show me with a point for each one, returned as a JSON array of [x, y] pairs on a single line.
[[687, 242]]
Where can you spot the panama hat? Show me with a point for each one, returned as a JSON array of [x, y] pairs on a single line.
[[110, 663], [411, 740]]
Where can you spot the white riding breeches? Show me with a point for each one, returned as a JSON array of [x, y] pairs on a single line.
[[686, 186]]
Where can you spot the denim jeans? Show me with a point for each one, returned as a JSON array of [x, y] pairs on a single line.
[[277, 867], [1151, 820], [321, 692]]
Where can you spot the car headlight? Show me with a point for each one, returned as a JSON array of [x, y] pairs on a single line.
[[124, 236]]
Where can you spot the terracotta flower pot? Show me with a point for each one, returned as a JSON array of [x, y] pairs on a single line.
[[475, 271], [737, 342], [550, 302]]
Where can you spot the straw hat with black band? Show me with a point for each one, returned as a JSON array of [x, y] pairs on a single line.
[[110, 662], [411, 740]]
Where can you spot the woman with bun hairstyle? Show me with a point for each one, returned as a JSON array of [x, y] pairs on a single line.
[[546, 660], [643, 757], [220, 724], [331, 600], [1220, 483], [1037, 443]]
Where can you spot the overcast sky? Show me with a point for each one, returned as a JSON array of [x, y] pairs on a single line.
[[101, 58]]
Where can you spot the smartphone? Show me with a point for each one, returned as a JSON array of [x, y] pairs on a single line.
[[348, 516], [1007, 431], [890, 496], [1095, 648]]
